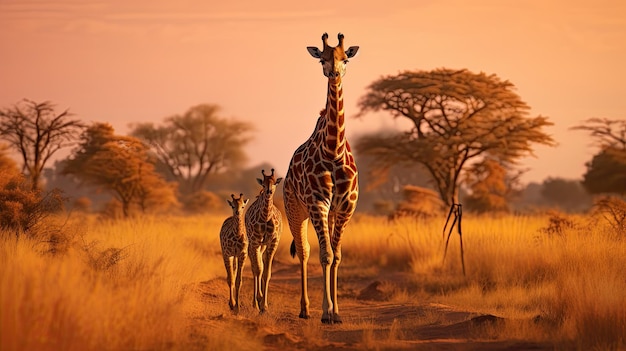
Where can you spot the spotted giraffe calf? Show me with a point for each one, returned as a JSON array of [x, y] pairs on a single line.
[[234, 248], [263, 225]]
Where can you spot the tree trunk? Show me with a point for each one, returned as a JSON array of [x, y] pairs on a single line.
[[125, 205]]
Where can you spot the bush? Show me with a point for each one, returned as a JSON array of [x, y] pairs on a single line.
[[22, 210], [613, 209], [202, 202], [418, 202]]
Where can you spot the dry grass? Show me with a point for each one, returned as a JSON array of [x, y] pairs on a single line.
[[130, 284], [566, 284]]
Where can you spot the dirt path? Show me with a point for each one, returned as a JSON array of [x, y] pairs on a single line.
[[370, 322]]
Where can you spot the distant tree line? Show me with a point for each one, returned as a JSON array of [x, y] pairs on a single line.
[[467, 132]]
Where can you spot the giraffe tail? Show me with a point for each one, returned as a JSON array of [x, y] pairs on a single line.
[[292, 249]]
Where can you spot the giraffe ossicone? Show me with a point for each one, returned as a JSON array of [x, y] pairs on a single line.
[[321, 184], [263, 227], [234, 243]]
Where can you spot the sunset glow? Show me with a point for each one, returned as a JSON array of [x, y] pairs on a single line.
[[123, 62]]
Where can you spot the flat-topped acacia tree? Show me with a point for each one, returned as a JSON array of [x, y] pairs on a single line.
[[456, 116]]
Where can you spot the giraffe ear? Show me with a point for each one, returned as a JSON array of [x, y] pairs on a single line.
[[315, 52], [246, 202], [230, 203], [352, 51], [278, 180], [259, 181]]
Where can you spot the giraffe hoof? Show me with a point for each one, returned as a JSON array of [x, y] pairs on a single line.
[[337, 319], [327, 320], [304, 315]]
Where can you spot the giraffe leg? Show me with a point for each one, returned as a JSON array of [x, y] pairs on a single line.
[[230, 279], [333, 283], [268, 257], [297, 218], [319, 219], [240, 264], [257, 267], [340, 223]]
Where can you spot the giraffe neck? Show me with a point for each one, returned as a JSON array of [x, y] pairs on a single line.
[[241, 225], [334, 129], [265, 202]]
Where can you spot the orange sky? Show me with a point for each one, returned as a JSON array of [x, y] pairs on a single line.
[[137, 61]]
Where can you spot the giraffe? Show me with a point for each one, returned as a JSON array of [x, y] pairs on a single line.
[[234, 248], [321, 184], [264, 226]]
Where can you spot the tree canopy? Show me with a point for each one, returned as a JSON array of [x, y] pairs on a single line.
[[455, 116], [119, 164], [36, 132], [196, 144], [606, 172]]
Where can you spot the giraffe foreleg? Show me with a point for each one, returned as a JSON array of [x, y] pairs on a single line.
[[333, 283], [230, 279], [340, 223], [319, 219], [268, 257], [240, 264], [254, 252]]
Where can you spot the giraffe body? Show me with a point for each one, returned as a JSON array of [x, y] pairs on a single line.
[[234, 244], [263, 227], [321, 184]]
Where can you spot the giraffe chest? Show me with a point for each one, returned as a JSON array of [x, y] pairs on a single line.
[[315, 175], [233, 238], [261, 228]]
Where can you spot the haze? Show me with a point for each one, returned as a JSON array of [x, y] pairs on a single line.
[[137, 61]]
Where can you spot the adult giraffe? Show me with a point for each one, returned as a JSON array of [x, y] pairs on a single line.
[[321, 183]]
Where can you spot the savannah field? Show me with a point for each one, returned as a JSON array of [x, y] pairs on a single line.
[[541, 282]]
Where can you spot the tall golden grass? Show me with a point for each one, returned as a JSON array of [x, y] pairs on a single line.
[[127, 284], [568, 283]]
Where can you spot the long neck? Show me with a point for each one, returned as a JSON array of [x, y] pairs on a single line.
[[265, 203], [334, 129], [240, 223]]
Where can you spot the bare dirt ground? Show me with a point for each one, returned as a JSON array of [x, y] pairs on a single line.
[[370, 319]]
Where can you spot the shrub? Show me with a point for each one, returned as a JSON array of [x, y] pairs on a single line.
[[22, 210], [613, 209], [202, 202]]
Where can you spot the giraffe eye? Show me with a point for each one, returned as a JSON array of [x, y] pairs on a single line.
[[322, 62], [345, 61]]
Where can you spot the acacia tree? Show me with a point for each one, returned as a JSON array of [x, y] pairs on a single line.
[[36, 132], [606, 172], [116, 163], [456, 116], [196, 144]]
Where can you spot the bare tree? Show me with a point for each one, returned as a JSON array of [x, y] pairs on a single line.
[[456, 116], [196, 144], [36, 132]]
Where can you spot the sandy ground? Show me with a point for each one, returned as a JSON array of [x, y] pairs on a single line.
[[370, 320]]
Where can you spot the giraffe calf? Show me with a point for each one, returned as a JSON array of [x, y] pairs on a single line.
[[234, 243], [263, 226]]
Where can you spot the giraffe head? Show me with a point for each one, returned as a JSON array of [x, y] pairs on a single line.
[[269, 183], [237, 204], [333, 59]]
